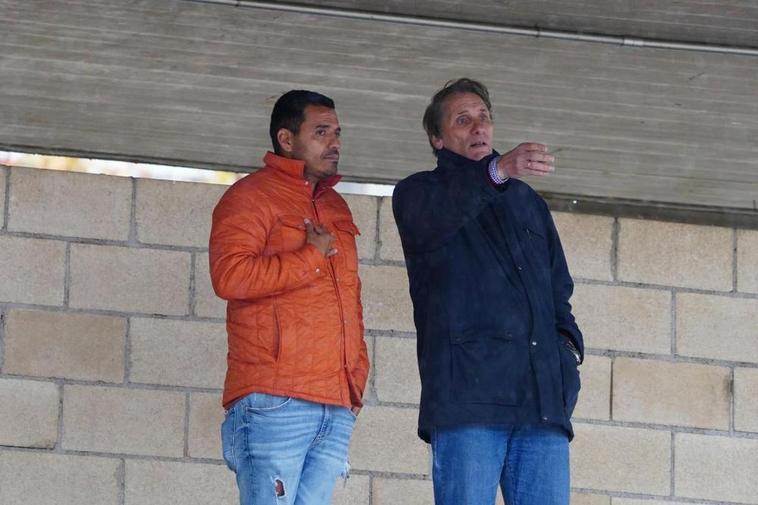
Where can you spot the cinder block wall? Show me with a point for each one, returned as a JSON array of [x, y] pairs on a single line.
[[112, 349]]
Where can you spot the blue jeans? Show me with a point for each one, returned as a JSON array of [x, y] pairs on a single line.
[[286, 451], [531, 465]]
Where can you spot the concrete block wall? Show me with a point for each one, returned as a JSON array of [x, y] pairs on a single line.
[[112, 349]]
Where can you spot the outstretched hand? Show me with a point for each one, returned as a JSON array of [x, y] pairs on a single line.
[[526, 159]]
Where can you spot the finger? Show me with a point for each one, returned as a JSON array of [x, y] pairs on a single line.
[[542, 157], [533, 146], [537, 168], [331, 252], [308, 226]]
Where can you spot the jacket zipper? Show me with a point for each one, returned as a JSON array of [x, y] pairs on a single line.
[[333, 275]]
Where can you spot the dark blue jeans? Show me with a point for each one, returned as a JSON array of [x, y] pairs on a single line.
[[531, 465], [286, 451]]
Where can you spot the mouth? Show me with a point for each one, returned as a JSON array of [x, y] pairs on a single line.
[[332, 156], [479, 144]]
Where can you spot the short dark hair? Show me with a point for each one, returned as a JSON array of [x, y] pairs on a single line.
[[289, 112], [435, 110]]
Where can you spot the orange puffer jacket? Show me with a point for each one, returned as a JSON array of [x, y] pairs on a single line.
[[294, 317]]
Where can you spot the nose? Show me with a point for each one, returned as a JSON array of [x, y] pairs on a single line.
[[335, 142]]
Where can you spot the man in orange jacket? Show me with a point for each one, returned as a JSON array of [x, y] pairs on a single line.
[[283, 255]]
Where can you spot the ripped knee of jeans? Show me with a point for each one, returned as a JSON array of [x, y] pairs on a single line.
[[279, 488]]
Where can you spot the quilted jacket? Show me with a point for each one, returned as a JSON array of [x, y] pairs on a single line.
[[294, 316]]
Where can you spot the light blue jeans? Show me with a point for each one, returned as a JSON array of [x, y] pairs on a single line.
[[286, 451], [531, 465]]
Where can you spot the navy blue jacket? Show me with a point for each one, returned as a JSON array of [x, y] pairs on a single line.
[[490, 290]]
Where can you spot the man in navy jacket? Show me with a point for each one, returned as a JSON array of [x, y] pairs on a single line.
[[498, 347]]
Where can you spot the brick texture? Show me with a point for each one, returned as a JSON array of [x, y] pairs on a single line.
[[589, 499], [207, 304], [53, 479], [675, 254], [644, 392], [621, 459], [386, 301], [397, 378], [76, 205], [175, 213], [130, 280], [28, 413], [33, 270], [169, 483], [206, 416], [595, 395], [747, 261], [383, 433], [717, 327], [631, 501], [716, 468], [391, 249], [624, 319], [150, 407], [3, 178], [128, 421], [587, 242], [746, 399], [363, 209], [354, 491], [178, 353], [407, 492], [70, 346]]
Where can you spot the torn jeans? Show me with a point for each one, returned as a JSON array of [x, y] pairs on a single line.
[[286, 451]]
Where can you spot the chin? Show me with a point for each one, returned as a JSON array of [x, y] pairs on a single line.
[[479, 154]]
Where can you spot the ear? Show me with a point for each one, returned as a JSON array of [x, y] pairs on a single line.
[[437, 142], [286, 139]]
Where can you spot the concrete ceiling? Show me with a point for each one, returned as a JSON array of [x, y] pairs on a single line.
[[192, 83], [727, 22]]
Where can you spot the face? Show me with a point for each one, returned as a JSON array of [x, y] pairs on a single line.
[[317, 143], [466, 127]]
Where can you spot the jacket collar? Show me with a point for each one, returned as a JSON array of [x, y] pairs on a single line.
[[293, 170], [448, 160]]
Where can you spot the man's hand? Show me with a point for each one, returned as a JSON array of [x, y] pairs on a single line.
[[320, 237], [526, 159]]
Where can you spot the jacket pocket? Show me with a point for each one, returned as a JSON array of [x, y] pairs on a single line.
[[277, 351], [536, 238], [571, 384], [346, 231], [488, 366], [287, 235]]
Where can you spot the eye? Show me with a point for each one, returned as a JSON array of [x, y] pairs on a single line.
[[462, 120], [320, 133]]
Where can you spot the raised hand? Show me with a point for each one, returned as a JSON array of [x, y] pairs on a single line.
[[526, 159]]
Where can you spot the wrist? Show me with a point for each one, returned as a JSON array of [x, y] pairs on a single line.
[[497, 176]]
